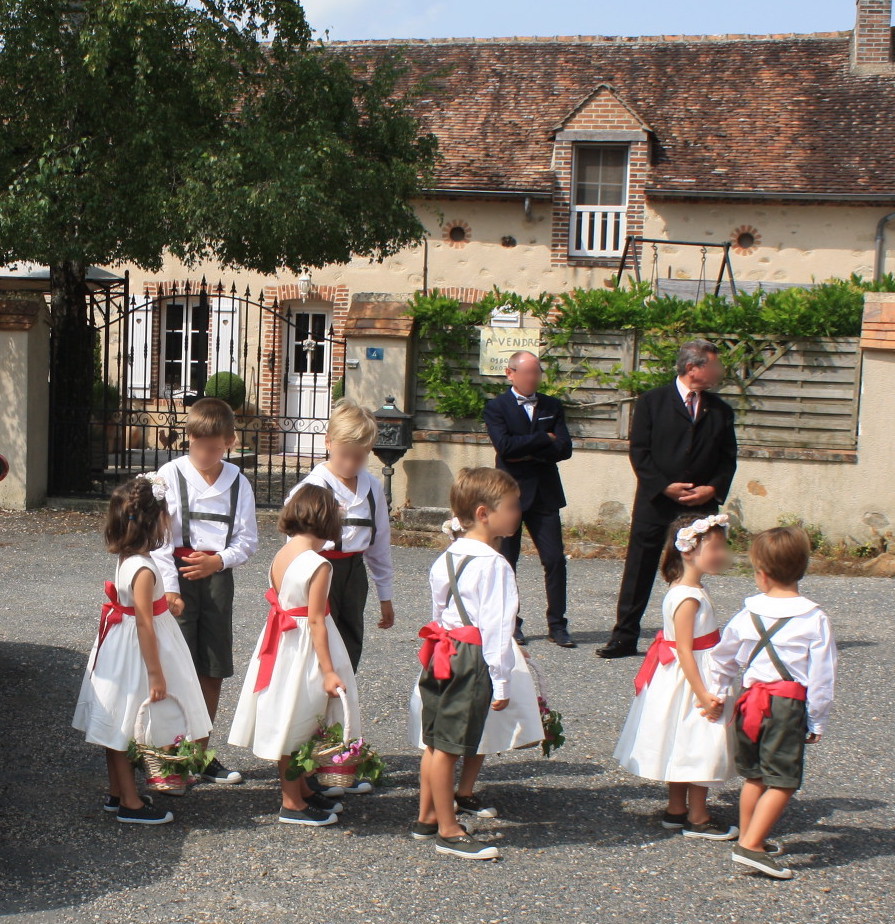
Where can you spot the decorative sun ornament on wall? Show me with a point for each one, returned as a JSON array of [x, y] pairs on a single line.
[[457, 234], [745, 239]]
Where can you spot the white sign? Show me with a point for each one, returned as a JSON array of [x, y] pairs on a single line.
[[498, 344]]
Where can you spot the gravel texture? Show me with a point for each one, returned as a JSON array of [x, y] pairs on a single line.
[[580, 838]]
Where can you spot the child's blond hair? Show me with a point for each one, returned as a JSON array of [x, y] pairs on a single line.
[[349, 422], [210, 418], [476, 487]]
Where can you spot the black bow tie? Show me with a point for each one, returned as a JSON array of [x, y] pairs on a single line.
[[526, 402]]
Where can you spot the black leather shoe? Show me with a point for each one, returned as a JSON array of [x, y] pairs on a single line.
[[519, 638], [618, 650], [562, 638]]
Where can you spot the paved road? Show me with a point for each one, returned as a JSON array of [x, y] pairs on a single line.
[[580, 837]]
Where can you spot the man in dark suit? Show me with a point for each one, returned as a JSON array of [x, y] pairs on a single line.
[[684, 452], [529, 433]]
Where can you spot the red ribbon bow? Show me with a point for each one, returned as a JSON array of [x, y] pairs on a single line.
[[438, 646], [279, 621], [113, 612], [755, 703], [662, 652]]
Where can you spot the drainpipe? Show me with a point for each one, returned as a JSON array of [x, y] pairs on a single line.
[[880, 245]]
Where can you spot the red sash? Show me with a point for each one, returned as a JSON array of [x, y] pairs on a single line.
[[332, 554], [182, 551], [662, 652], [113, 612], [279, 621], [438, 646], [755, 703]]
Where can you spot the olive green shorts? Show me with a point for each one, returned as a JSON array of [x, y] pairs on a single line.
[[207, 622], [778, 757], [454, 710]]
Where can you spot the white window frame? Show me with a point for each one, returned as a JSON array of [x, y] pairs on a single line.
[[188, 303], [597, 231]]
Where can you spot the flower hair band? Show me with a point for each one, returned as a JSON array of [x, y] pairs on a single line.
[[687, 537], [159, 485], [452, 527]]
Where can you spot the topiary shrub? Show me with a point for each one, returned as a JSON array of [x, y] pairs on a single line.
[[228, 387]]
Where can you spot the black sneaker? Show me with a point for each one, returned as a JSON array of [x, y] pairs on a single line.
[[331, 792], [519, 638], [422, 831], [711, 830], [111, 803], [216, 772], [148, 815], [562, 638], [759, 860], [310, 816], [472, 805], [320, 802], [672, 822], [466, 847]]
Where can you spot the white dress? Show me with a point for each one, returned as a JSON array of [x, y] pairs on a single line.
[[116, 683], [283, 716], [665, 737], [517, 726]]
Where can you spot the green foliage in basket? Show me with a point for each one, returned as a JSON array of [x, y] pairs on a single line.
[[554, 734], [302, 760], [367, 764], [192, 757]]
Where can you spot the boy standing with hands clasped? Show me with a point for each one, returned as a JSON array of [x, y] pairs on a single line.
[[213, 529], [467, 652], [785, 644]]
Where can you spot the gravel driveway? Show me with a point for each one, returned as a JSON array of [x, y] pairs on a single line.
[[580, 838]]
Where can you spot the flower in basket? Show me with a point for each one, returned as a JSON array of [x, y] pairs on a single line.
[[554, 734], [368, 765], [181, 757]]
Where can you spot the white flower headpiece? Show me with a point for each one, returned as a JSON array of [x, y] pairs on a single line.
[[452, 527], [687, 537], [159, 485]]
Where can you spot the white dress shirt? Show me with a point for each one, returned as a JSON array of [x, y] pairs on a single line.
[[529, 408], [489, 594], [683, 391], [805, 645], [355, 505], [207, 535]]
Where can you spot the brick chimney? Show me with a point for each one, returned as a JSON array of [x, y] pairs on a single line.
[[871, 47]]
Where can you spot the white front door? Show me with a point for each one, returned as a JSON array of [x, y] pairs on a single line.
[[308, 382]]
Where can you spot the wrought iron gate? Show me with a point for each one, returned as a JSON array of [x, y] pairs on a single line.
[[279, 365]]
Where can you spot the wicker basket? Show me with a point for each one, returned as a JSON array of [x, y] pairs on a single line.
[[153, 754], [336, 774]]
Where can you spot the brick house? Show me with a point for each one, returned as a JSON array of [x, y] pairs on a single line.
[[554, 150]]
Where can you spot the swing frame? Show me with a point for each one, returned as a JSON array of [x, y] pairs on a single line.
[[632, 248]]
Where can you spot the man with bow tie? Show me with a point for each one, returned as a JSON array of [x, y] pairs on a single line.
[[683, 450], [529, 433]]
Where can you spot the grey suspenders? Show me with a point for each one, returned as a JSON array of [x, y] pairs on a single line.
[[362, 521], [764, 642], [454, 590], [186, 514]]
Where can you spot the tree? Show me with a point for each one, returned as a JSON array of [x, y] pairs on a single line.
[[210, 129]]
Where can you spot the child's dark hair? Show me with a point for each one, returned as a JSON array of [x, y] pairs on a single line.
[[782, 553], [672, 567], [210, 418], [313, 510], [136, 522]]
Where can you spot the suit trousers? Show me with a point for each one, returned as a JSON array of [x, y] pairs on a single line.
[[545, 529], [641, 564]]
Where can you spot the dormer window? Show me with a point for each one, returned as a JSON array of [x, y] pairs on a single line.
[[598, 226]]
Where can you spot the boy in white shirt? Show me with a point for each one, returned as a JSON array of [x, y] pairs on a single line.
[[785, 644], [467, 654], [366, 531], [212, 530]]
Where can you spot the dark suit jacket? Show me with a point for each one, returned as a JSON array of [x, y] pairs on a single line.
[[525, 449], [666, 447]]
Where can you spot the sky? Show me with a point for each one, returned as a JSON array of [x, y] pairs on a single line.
[[376, 19]]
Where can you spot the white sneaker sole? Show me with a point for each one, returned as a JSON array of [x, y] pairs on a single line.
[[672, 826], [308, 823], [482, 813], [783, 873], [232, 780], [168, 817], [732, 834], [361, 789], [489, 853]]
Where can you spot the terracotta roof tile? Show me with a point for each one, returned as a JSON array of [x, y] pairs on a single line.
[[762, 115]]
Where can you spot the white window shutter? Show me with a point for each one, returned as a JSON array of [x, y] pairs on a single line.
[[140, 350], [223, 344]]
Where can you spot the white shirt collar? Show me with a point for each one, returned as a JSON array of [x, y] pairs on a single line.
[[683, 390], [517, 394], [464, 546], [779, 607], [194, 478]]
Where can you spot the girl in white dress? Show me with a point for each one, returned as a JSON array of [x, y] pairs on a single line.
[[676, 730], [139, 652], [300, 662]]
